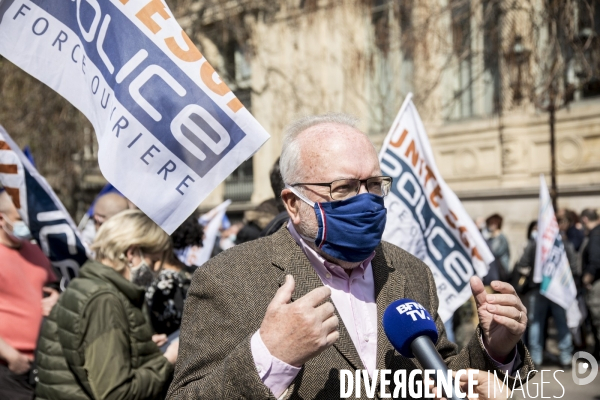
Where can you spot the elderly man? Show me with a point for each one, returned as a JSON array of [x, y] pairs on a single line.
[[279, 317]]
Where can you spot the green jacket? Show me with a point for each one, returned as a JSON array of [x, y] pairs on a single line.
[[97, 344]]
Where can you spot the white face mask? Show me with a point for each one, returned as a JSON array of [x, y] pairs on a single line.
[[486, 233], [534, 235], [20, 230]]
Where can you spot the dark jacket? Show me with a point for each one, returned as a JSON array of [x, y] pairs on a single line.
[[97, 343], [590, 257], [228, 299]]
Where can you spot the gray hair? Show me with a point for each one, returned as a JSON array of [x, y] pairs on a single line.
[[290, 150]]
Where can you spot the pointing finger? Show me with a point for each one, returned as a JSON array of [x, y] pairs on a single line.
[[478, 291]]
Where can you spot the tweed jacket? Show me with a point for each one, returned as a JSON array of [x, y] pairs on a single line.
[[228, 299]]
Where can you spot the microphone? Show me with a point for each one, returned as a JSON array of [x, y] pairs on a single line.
[[412, 331]]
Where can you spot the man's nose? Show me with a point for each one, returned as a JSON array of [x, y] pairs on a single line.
[[363, 188]]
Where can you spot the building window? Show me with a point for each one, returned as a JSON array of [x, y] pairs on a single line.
[[588, 18], [240, 184], [491, 56], [460, 11]]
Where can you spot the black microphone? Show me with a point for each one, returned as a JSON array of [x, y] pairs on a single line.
[[412, 332]]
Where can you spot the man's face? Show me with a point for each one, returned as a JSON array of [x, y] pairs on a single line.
[[98, 220], [329, 152]]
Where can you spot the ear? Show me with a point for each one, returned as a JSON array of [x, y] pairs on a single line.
[[292, 205], [131, 252]]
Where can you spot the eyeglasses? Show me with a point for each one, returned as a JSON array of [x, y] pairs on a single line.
[[344, 188]]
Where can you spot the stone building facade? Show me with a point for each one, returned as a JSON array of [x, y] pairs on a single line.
[[489, 134]]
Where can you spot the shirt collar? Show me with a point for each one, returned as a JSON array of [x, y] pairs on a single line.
[[318, 261]]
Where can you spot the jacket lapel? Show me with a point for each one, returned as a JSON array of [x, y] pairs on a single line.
[[389, 286], [290, 258]]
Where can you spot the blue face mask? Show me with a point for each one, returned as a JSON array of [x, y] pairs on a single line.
[[350, 229], [20, 230]]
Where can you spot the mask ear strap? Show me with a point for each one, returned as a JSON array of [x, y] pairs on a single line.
[[300, 195]]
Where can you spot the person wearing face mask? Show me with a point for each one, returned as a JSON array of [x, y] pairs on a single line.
[[25, 276], [280, 316], [97, 343]]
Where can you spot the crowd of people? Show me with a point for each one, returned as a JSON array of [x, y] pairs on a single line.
[[131, 294], [114, 332], [581, 239]]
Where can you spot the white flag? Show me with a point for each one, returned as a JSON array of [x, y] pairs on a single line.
[[199, 255], [425, 217], [552, 268], [169, 130]]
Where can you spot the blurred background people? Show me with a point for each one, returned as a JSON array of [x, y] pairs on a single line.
[[496, 240], [25, 276], [540, 307], [97, 342], [590, 260], [573, 229], [187, 241], [166, 293], [269, 215], [105, 207]]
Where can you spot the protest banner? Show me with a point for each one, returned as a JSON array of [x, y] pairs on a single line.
[[425, 217], [212, 221], [169, 130], [39, 207], [552, 267]]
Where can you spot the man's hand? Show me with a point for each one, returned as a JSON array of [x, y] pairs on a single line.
[[49, 301], [296, 332], [18, 363], [502, 316]]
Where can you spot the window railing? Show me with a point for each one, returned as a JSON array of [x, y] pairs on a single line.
[[239, 189]]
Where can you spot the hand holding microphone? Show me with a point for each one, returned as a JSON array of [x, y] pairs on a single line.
[[296, 332]]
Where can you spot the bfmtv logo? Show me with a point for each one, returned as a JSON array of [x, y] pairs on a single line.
[[580, 369], [413, 309]]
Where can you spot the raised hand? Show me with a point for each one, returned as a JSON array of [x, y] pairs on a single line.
[[296, 332], [502, 317]]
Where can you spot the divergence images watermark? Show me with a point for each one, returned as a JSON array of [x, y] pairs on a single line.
[[388, 384]]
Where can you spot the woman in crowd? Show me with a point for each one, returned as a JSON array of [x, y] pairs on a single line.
[[171, 280], [97, 342]]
